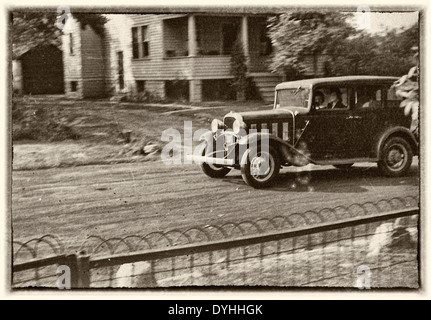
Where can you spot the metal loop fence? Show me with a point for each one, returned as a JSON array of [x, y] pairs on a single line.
[[314, 248]]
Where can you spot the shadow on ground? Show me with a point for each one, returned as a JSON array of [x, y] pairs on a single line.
[[355, 179]]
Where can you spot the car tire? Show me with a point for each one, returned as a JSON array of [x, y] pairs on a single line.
[[343, 166], [252, 160], [396, 157], [213, 170]]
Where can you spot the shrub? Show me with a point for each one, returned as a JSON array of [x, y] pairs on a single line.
[[145, 96], [239, 70], [39, 124]]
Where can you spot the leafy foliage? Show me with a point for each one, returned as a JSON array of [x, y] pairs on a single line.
[[239, 70], [347, 51], [94, 20], [407, 87], [300, 33], [386, 54], [30, 29]]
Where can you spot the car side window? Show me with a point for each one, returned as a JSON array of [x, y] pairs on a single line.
[[368, 97], [330, 98], [392, 100]]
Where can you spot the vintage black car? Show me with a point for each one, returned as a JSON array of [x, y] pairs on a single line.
[[328, 121]]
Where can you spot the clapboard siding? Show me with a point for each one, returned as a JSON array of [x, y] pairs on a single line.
[[155, 30], [165, 69], [72, 62], [94, 64], [211, 67], [187, 68], [118, 37], [92, 54]]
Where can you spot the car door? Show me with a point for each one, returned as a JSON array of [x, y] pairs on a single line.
[[366, 115], [326, 131]]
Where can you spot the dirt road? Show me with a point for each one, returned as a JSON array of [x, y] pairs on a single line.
[[127, 199]]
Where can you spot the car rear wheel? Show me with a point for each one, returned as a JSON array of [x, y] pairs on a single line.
[[213, 170], [260, 168], [343, 166], [396, 157]]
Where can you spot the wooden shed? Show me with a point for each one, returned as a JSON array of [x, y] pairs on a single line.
[[41, 70]]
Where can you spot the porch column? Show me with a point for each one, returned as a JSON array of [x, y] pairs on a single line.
[[195, 92], [192, 35], [244, 38]]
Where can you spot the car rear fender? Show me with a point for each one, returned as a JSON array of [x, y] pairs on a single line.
[[396, 132]]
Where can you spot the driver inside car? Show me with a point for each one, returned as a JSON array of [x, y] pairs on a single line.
[[319, 100]]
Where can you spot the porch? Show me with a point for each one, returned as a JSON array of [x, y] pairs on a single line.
[[211, 39]]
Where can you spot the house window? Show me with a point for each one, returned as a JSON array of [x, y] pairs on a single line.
[[140, 86], [145, 45], [120, 70], [74, 86], [71, 43], [140, 42], [135, 43]]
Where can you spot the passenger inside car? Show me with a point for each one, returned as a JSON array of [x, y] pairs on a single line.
[[336, 98], [319, 100], [368, 98]]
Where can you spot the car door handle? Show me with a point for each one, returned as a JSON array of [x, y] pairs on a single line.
[[353, 118]]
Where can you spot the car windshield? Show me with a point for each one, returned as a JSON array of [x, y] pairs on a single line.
[[292, 98]]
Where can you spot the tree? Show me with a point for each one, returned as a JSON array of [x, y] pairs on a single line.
[[385, 54], [94, 20], [239, 70], [30, 29], [348, 51], [300, 33], [407, 87]]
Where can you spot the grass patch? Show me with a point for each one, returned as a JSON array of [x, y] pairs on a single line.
[[55, 133]]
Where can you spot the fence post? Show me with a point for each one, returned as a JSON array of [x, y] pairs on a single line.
[[83, 271], [72, 263]]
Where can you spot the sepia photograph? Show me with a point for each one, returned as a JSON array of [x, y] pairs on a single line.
[[215, 147]]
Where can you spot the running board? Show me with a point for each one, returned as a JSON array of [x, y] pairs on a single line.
[[344, 161]]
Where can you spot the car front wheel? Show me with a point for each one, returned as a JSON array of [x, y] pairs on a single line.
[[260, 168], [213, 170], [396, 157]]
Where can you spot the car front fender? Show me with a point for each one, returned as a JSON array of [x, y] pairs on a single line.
[[288, 153]]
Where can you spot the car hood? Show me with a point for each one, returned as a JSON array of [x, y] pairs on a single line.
[[268, 114]]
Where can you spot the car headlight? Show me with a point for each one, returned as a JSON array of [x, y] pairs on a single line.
[[237, 126], [216, 125]]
